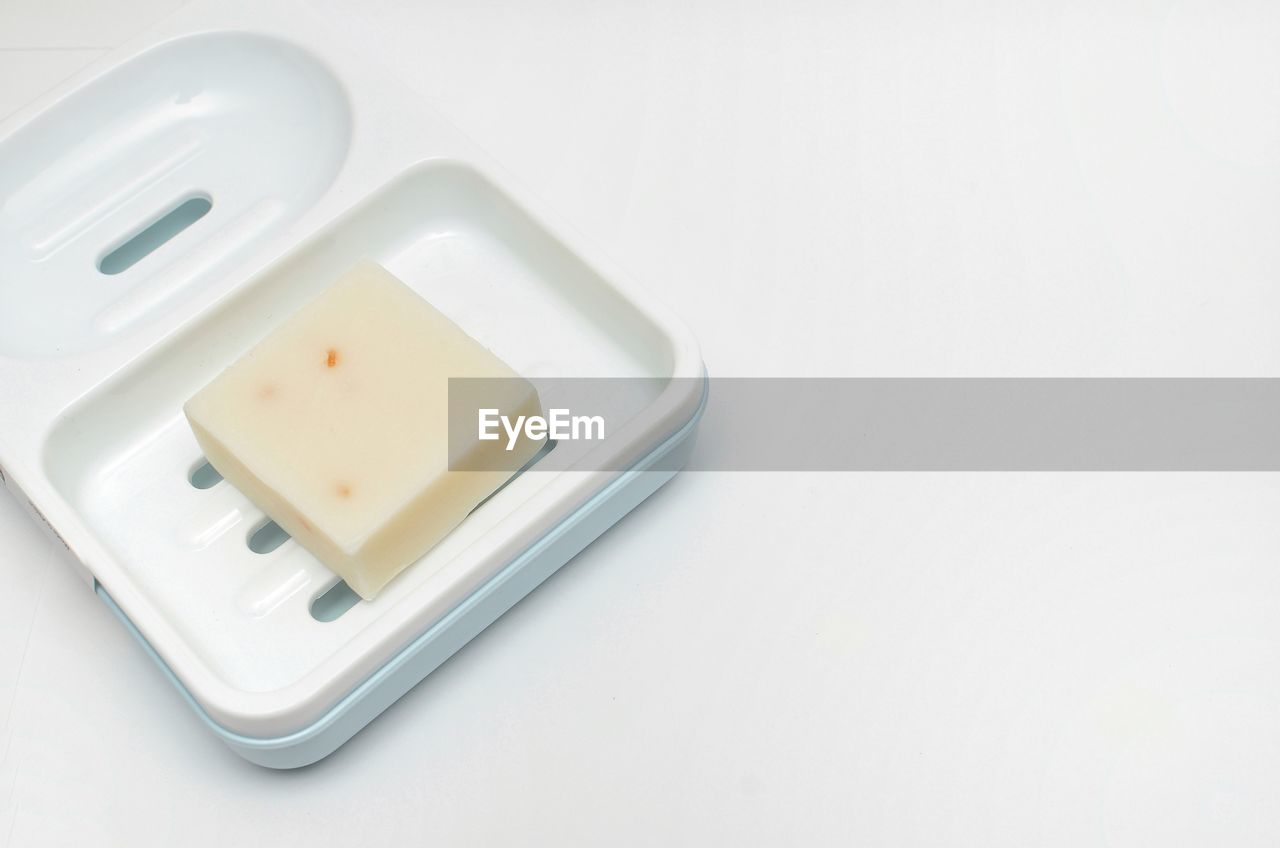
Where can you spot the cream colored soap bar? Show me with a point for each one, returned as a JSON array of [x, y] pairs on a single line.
[[336, 426]]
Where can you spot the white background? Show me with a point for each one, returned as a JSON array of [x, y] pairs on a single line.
[[994, 188]]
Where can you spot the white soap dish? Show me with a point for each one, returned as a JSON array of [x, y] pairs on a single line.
[[163, 211]]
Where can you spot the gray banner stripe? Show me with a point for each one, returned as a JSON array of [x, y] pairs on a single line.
[[820, 424]]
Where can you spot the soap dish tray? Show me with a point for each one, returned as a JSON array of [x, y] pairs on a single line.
[[166, 208]]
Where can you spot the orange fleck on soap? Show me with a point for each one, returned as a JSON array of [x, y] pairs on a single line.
[[344, 491], [267, 391], [333, 357]]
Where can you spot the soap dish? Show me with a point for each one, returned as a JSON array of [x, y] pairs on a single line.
[[164, 210]]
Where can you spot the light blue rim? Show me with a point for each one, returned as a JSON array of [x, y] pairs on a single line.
[[387, 670]]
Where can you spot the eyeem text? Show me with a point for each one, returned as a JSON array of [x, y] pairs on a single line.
[[558, 425]]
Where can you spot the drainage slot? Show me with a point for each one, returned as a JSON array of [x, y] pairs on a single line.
[[267, 538], [204, 476], [334, 602], [146, 242]]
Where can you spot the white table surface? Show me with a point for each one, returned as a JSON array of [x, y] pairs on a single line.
[[1084, 187]]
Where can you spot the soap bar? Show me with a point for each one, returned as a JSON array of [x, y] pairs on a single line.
[[336, 426]]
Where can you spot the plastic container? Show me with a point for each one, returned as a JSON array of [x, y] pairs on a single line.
[[161, 212]]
